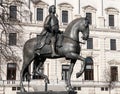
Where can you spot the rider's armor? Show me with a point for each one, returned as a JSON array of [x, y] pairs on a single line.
[[51, 25]]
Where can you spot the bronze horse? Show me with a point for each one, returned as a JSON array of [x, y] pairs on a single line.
[[70, 49]]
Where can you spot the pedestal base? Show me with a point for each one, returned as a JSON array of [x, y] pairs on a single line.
[[49, 92]]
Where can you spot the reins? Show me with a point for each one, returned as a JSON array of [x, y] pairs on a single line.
[[73, 39]]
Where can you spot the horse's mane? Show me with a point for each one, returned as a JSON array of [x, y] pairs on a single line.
[[71, 24]]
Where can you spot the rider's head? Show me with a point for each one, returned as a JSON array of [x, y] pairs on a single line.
[[52, 9]]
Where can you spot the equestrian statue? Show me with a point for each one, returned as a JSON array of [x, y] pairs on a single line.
[[53, 44]]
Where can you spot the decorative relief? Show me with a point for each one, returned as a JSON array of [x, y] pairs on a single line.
[[111, 10], [113, 62], [89, 8]]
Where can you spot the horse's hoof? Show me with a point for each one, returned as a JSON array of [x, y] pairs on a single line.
[[78, 75], [70, 89], [23, 90], [47, 81]]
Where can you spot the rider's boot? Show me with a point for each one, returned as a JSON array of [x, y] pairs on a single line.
[[53, 48], [53, 51]]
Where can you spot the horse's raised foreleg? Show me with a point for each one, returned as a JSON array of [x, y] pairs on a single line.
[[70, 73], [76, 56], [83, 67]]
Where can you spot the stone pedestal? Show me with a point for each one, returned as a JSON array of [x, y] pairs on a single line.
[[49, 92]]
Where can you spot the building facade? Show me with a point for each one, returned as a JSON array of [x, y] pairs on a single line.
[[102, 74]]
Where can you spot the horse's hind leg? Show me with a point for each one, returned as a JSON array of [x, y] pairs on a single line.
[[26, 63], [38, 68]]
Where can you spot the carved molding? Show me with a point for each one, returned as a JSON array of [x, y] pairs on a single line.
[[112, 10], [113, 62], [39, 2], [89, 8], [65, 5]]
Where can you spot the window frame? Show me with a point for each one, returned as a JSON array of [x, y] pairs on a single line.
[[65, 7], [89, 15], [114, 73], [115, 12], [64, 16], [90, 43], [12, 39], [13, 13], [65, 70], [113, 44], [42, 5], [11, 71], [38, 14], [111, 20], [92, 10]]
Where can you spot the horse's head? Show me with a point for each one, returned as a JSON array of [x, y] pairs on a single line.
[[84, 28]]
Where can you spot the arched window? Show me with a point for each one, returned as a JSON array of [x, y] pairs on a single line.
[[89, 69]]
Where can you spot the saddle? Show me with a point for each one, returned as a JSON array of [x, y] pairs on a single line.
[[44, 42]]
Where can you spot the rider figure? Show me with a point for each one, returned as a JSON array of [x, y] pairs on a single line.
[[51, 25]]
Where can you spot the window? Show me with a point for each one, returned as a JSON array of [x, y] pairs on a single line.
[[89, 16], [90, 43], [104, 88], [65, 69], [13, 88], [90, 12], [39, 14], [12, 38], [65, 16], [111, 20], [35, 75], [13, 12], [89, 69], [77, 88], [11, 71], [112, 17], [114, 73], [112, 44]]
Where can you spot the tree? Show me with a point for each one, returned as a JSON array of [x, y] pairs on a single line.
[[9, 24], [108, 78]]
